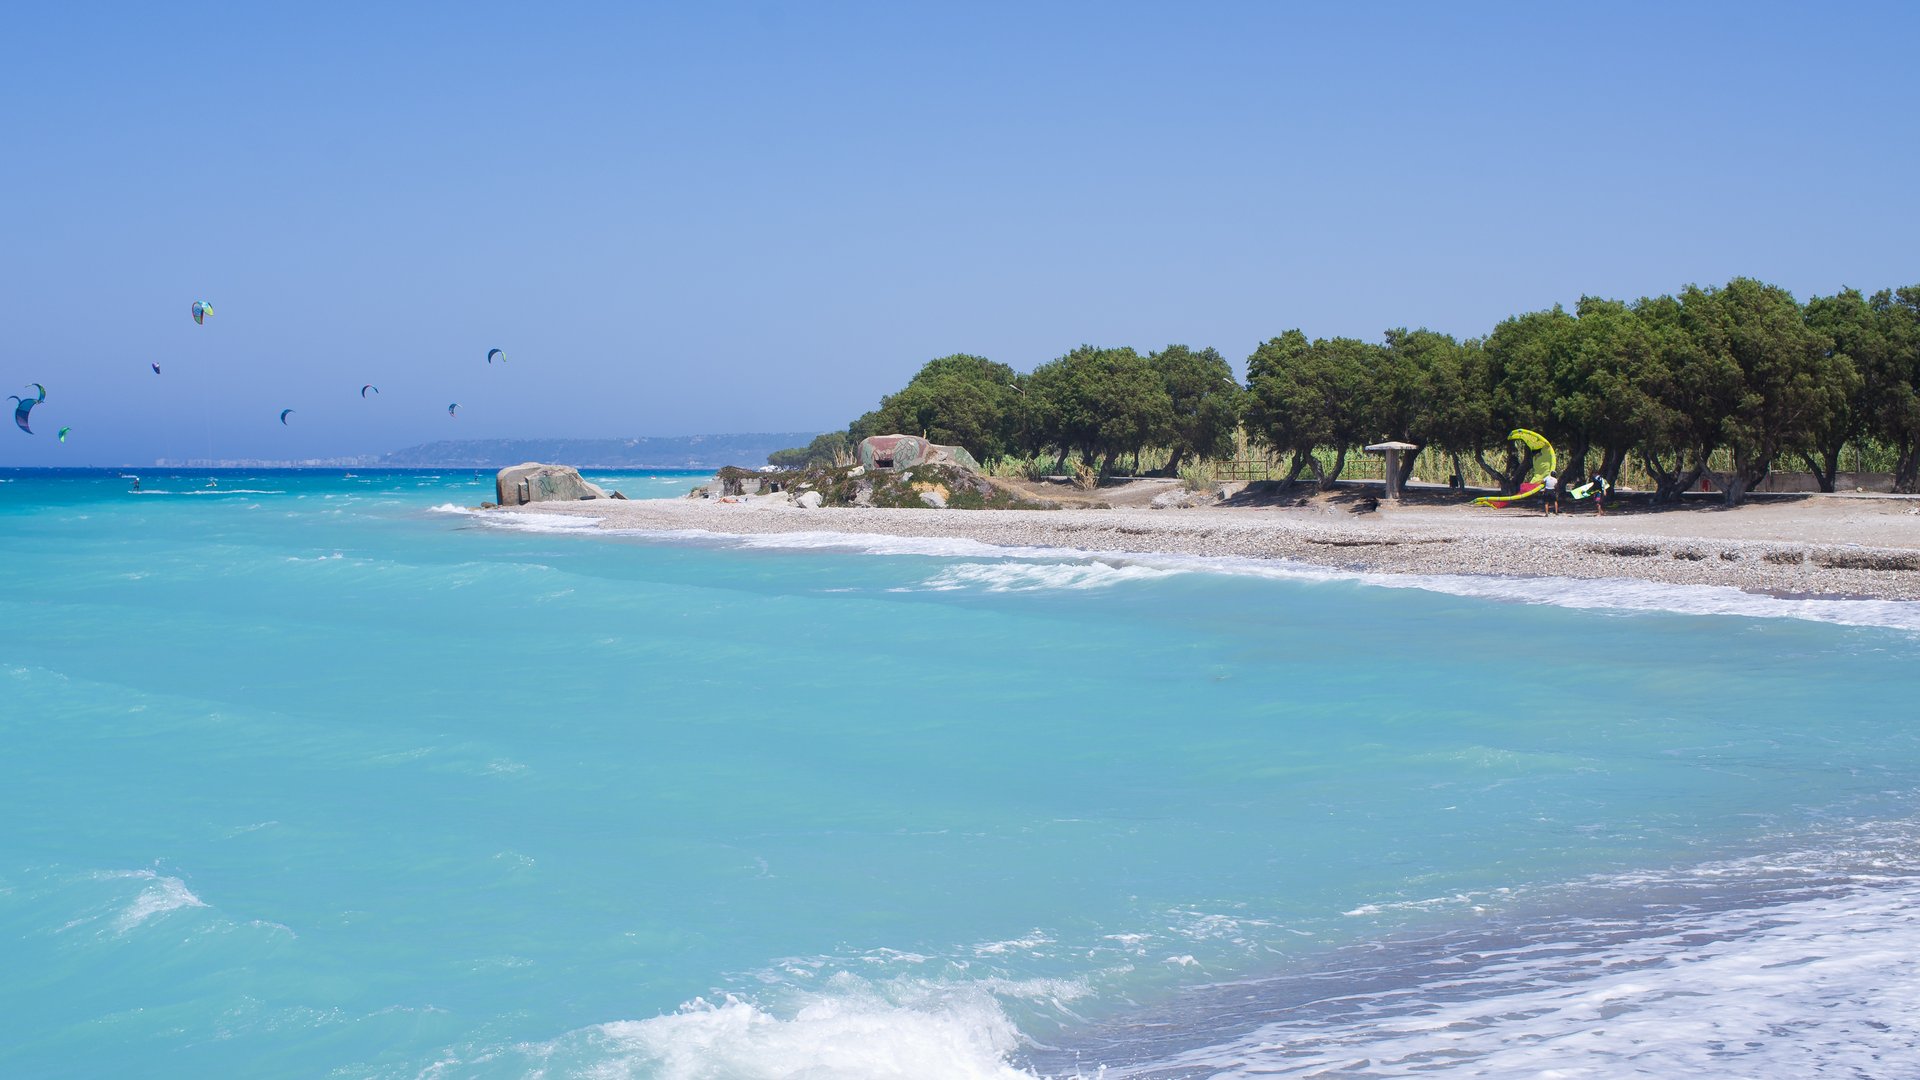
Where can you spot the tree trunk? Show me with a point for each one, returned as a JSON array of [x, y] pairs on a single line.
[[1406, 466], [1173, 463], [1906, 470], [1669, 483], [1829, 458], [1330, 478], [1735, 487], [1302, 461], [1509, 477], [1611, 459], [1748, 470], [1573, 468], [1106, 463], [1459, 477]]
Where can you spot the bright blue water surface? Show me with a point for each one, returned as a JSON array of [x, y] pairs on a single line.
[[306, 777]]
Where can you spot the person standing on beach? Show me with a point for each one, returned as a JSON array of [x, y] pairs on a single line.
[[1550, 498], [1598, 484]]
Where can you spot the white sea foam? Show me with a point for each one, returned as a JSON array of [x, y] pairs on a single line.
[[1597, 594], [852, 1028], [1032, 576], [158, 895], [209, 491], [547, 523], [1022, 944], [1822, 985], [1074, 568]]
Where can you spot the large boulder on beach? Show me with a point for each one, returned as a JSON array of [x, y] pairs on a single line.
[[901, 452], [532, 482]]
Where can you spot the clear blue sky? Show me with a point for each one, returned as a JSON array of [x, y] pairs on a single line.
[[700, 218]]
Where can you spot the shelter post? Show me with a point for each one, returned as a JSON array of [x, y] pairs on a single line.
[[1392, 450]]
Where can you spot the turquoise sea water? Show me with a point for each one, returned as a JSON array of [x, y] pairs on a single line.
[[310, 775]]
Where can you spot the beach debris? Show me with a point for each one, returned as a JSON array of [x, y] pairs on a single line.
[[63, 433], [22, 407], [369, 386], [284, 413], [491, 353], [1365, 506], [201, 312], [809, 500]]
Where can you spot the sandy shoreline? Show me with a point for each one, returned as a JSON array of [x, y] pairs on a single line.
[[1865, 548]]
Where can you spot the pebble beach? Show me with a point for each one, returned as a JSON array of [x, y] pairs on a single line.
[[1818, 547]]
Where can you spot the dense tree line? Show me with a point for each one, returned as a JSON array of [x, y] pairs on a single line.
[[1741, 375]]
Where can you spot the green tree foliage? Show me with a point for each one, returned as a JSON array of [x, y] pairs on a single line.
[[1101, 403], [1460, 417], [1775, 375], [1891, 390], [1523, 356], [1600, 384], [1403, 398], [961, 400], [1857, 343], [1303, 396], [1742, 371], [1677, 430], [1204, 401], [828, 449]]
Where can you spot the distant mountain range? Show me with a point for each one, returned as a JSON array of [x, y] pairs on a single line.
[[671, 452]]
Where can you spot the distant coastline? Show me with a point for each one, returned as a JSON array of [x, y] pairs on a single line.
[[639, 452], [645, 452]]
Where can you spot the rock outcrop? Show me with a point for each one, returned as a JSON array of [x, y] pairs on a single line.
[[532, 482]]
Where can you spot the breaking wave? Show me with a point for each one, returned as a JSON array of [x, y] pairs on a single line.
[[1022, 569]]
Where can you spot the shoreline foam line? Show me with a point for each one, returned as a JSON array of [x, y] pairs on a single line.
[[1610, 594]]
